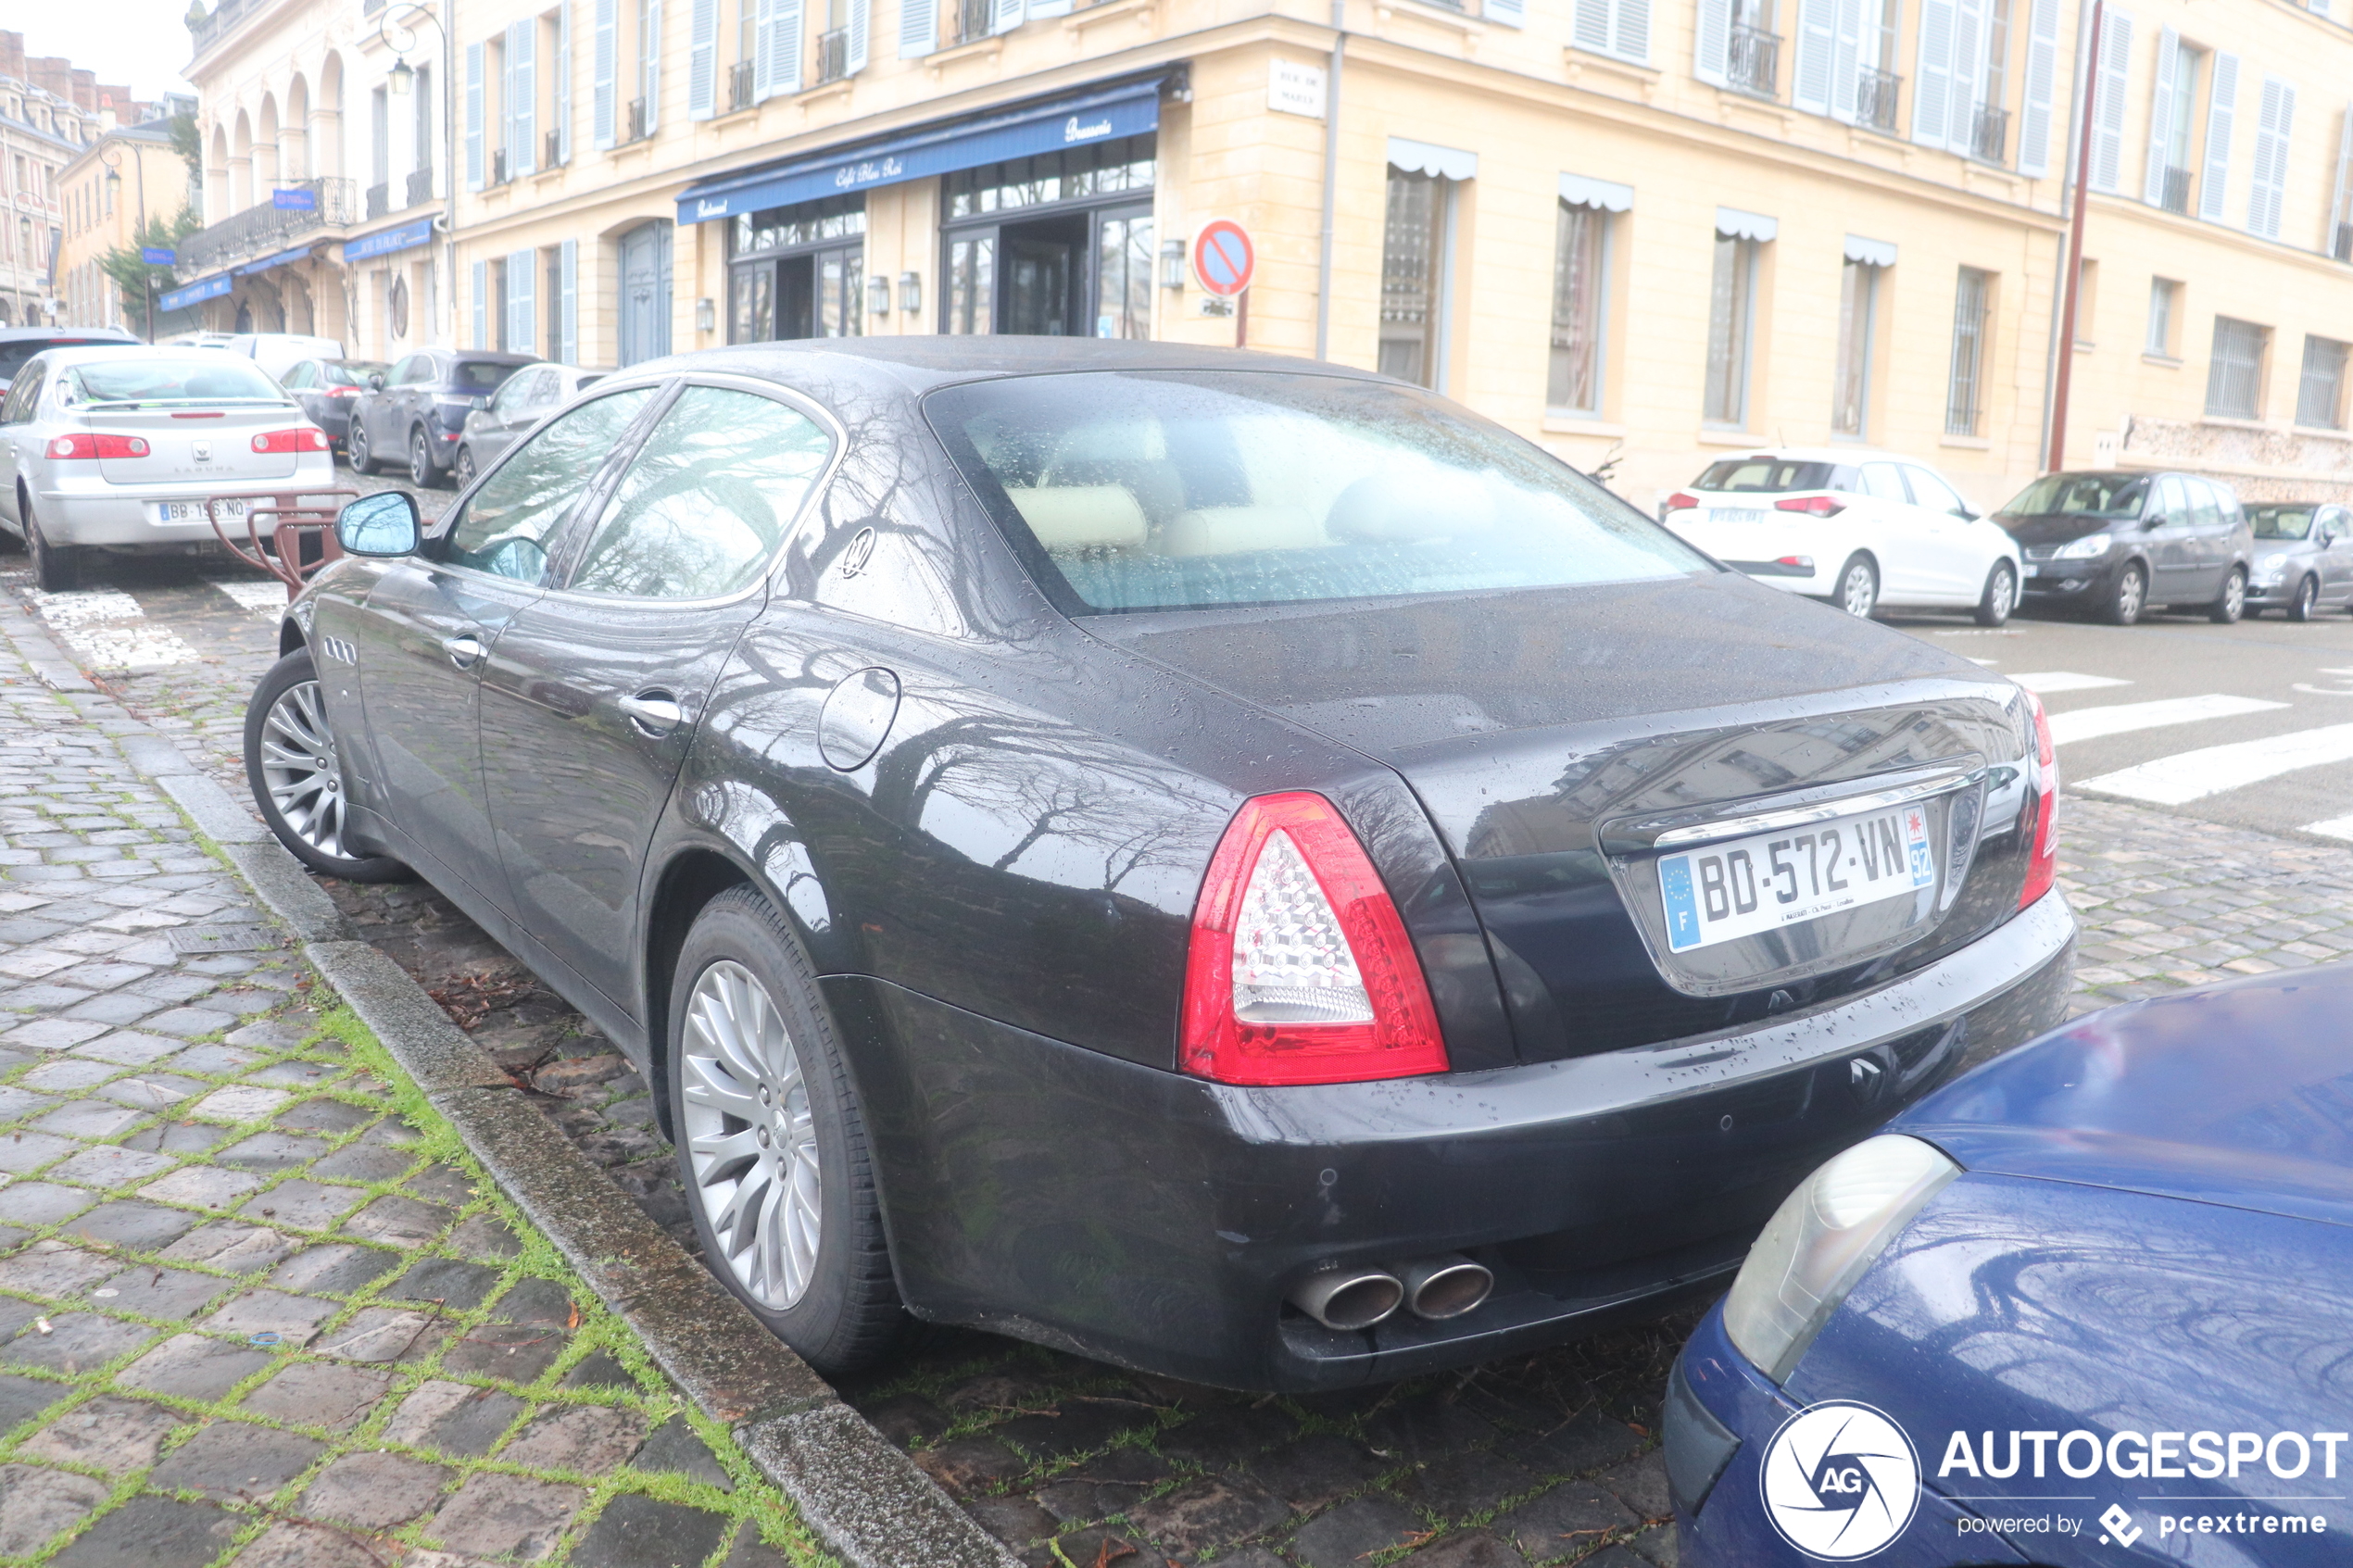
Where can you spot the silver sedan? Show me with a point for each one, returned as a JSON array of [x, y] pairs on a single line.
[[119, 448]]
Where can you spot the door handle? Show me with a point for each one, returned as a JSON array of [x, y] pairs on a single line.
[[464, 652], [654, 713]]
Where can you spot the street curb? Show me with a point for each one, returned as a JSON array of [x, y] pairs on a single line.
[[864, 1500]]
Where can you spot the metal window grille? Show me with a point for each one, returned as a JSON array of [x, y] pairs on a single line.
[[1753, 61], [1876, 92], [972, 19], [1409, 275], [2234, 376], [1963, 392], [1580, 273], [833, 55], [498, 175], [2320, 393], [379, 201], [638, 132], [2175, 197], [740, 78], [1990, 138]]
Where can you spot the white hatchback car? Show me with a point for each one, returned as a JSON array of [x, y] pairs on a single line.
[[1858, 528], [121, 448]]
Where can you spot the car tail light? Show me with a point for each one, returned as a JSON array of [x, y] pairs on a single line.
[[1795, 563], [344, 391], [2042, 865], [306, 439], [83, 443], [1821, 505], [1682, 500], [1300, 970]]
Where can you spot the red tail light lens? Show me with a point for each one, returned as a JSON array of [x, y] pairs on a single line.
[[2042, 865], [309, 438], [1821, 505], [83, 443], [1682, 500], [1300, 970]]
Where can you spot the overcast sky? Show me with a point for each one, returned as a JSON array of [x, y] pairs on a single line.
[[142, 41]]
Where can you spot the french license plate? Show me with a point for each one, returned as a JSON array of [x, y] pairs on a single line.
[[1735, 514], [194, 511], [1747, 886], [2033, 570]]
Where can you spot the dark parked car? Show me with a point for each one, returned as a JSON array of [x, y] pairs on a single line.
[[2087, 1306], [328, 389], [419, 411], [2303, 559], [529, 396], [1228, 864], [18, 345], [2118, 544]]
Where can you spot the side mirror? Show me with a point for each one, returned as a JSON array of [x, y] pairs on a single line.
[[2154, 520], [381, 524], [1965, 514], [375, 380]]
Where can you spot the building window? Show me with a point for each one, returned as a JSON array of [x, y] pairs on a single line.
[[2163, 293], [1414, 250], [1857, 325], [2087, 299], [1581, 295], [798, 271], [1055, 246], [2172, 176], [2234, 376], [1963, 391], [2319, 394], [1730, 328], [1990, 131]]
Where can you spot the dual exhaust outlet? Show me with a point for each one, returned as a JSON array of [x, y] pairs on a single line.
[[1437, 1288]]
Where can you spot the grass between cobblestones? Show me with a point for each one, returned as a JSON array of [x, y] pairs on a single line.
[[257, 1301]]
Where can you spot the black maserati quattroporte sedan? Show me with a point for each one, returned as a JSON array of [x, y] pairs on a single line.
[[1225, 864]]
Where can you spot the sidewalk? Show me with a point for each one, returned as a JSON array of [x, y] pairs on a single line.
[[257, 1304]]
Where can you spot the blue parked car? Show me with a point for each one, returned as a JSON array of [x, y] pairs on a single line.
[[2090, 1304]]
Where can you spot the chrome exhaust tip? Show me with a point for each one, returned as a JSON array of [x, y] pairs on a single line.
[[1347, 1298], [1445, 1286]]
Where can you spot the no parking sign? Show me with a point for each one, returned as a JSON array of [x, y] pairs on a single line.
[[1223, 257]]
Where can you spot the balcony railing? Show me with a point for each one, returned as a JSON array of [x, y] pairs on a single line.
[[1875, 94], [1990, 138], [972, 19], [638, 130], [420, 186], [740, 80], [833, 55], [1753, 62], [257, 230], [379, 201], [2175, 196], [498, 175], [551, 149], [2342, 249]]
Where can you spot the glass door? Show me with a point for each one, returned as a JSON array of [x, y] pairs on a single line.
[[1123, 291]]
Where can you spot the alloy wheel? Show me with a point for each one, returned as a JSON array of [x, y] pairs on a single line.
[[299, 768], [2308, 600], [355, 447], [750, 1136], [2129, 591], [1859, 590], [464, 473], [419, 461]]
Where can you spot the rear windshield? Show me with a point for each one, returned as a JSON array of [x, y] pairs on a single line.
[[1128, 492], [351, 372], [213, 378], [14, 354], [2081, 495], [1765, 475], [480, 375], [2281, 522]]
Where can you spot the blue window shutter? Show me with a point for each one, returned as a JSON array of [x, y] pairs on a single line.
[[1005, 17], [1816, 46], [1933, 97], [474, 117], [1511, 13], [918, 28], [2108, 120], [702, 59], [482, 304], [1712, 41], [563, 83], [522, 273], [2162, 108], [2221, 110], [1969, 73], [783, 46], [606, 62], [861, 31], [1846, 61], [650, 66], [2042, 81], [522, 50], [568, 272]]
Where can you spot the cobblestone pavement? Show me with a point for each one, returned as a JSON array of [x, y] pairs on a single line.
[[1548, 1459]]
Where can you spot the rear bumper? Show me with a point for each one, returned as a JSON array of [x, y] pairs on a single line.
[[1155, 1221], [2068, 581], [95, 513]]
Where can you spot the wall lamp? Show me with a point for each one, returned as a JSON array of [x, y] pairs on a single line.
[[706, 314], [878, 296], [1172, 264], [911, 292]]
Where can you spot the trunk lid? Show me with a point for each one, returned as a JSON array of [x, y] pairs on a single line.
[[2059, 528], [199, 450], [1566, 742]]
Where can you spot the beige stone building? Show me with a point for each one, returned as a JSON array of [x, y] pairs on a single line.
[[127, 176], [49, 113], [1644, 234]]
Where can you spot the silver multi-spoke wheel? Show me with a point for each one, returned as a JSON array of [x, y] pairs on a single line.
[[299, 768], [751, 1141]]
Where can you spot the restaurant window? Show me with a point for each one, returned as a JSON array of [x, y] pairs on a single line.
[[797, 272], [2234, 376], [1060, 244], [1731, 329], [1581, 242], [1965, 388], [1413, 281], [1858, 333]]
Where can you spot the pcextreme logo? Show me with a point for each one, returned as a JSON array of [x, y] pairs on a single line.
[[1840, 1480]]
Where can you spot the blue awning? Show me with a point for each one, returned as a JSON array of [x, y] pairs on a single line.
[[212, 288], [299, 253], [383, 242], [1129, 109]]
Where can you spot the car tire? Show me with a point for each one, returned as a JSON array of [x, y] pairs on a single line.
[[285, 730], [2129, 597], [462, 472], [748, 1031], [2230, 603], [1858, 592], [2000, 598], [363, 460], [2307, 603], [421, 473], [57, 569]]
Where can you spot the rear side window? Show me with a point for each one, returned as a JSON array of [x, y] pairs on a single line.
[[1768, 474], [479, 376], [1885, 481], [1127, 491], [1930, 491], [707, 499], [354, 372], [505, 525]]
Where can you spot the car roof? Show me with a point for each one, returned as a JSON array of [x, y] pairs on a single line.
[[918, 363], [1823, 454], [23, 334], [97, 353]]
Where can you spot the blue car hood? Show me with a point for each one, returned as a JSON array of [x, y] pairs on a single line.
[[2239, 1095]]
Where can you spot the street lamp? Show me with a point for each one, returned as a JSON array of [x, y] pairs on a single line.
[[398, 32], [112, 158], [400, 79]]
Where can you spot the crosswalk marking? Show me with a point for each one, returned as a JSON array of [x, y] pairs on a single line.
[[2193, 775], [2116, 719], [2335, 827], [2043, 683], [109, 629], [263, 596]]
